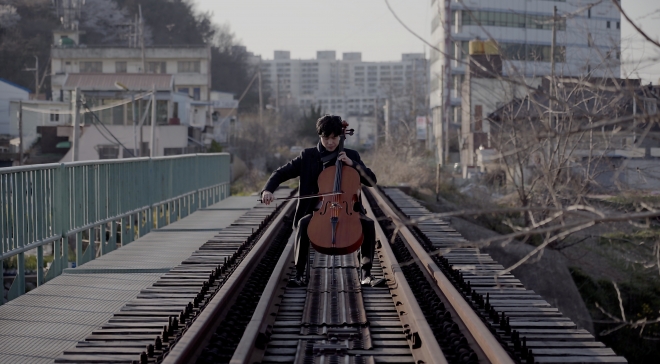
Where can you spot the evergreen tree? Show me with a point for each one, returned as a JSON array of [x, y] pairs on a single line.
[[173, 22], [307, 124], [26, 31], [105, 22]]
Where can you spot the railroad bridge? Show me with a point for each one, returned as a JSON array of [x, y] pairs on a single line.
[[152, 261]]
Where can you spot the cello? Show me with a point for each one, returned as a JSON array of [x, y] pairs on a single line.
[[335, 229]]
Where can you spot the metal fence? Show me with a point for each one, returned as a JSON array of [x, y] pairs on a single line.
[[96, 206]]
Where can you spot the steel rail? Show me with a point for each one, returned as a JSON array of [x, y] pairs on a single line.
[[422, 342], [482, 335], [190, 345], [248, 349]]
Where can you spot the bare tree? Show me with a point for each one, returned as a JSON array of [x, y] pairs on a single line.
[[559, 140]]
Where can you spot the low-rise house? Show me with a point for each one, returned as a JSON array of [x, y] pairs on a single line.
[[108, 77], [40, 119], [225, 111], [484, 90], [9, 92]]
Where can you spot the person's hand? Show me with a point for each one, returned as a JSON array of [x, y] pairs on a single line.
[[267, 197], [344, 158]]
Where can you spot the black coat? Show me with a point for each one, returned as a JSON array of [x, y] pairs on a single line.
[[308, 166]]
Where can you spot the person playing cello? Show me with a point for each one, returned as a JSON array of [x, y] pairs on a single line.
[[308, 165]]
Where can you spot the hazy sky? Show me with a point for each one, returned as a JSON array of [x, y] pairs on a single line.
[[305, 26]]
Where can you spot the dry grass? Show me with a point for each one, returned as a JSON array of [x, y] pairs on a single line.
[[393, 168]]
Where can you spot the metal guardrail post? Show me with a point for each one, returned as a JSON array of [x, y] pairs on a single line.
[[61, 208], [151, 187]]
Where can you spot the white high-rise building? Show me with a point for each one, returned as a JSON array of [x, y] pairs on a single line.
[[358, 91], [348, 86], [588, 43]]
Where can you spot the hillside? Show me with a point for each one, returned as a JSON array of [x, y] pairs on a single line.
[[26, 31]]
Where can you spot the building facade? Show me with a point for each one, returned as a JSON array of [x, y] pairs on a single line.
[[110, 77], [350, 87], [331, 82], [588, 43], [9, 92], [190, 66]]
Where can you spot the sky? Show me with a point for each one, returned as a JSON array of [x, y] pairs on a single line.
[[367, 26]]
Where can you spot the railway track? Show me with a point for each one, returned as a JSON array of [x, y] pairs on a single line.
[[229, 303], [526, 326]]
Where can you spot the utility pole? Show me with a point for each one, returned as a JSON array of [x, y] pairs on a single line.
[[76, 124], [375, 121], [142, 117], [135, 122], [414, 90], [144, 62], [261, 101], [387, 110], [448, 83], [277, 92], [36, 77], [552, 64], [153, 122], [20, 133]]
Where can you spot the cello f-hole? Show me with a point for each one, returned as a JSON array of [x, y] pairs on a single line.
[[324, 209], [348, 211]]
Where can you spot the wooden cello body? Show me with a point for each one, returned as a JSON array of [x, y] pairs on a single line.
[[335, 229]]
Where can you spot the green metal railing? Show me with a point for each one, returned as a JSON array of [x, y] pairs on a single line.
[[97, 205]]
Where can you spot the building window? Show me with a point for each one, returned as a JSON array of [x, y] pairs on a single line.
[[189, 66], [91, 67], [197, 93], [651, 106], [121, 67], [531, 52], [589, 13], [184, 90], [108, 151], [509, 19], [608, 24], [55, 117], [156, 67], [618, 25]]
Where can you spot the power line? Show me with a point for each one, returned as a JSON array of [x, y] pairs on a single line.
[[93, 109], [98, 121]]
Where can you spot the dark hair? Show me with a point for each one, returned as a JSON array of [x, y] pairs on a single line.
[[329, 124]]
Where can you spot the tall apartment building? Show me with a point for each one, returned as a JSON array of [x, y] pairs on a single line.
[[350, 87], [588, 43], [346, 86]]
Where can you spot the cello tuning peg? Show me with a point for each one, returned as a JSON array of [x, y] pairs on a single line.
[[350, 131]]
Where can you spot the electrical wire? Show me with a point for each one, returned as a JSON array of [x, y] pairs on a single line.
[[98, 122], [93, 109]]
